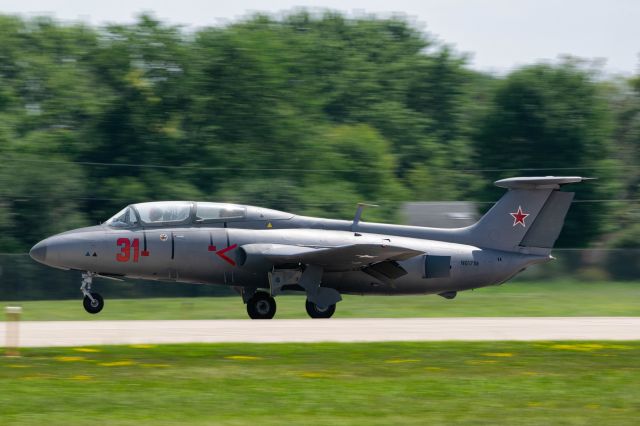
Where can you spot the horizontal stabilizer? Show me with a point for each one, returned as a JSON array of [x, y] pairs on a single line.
[[536, 182]]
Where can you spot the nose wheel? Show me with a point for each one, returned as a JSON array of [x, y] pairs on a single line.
[[261, 306], [92, 302]]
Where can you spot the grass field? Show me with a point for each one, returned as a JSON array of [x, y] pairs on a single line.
[[387, 383], [560, 298]]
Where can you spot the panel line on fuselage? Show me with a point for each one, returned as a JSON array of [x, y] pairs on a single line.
[[145, 251]]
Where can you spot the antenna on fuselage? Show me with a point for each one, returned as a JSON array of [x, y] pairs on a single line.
[[356, 219]]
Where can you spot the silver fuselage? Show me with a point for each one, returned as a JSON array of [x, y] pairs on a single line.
[[210, 253]]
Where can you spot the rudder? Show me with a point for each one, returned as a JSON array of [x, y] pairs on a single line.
[[546, 228]]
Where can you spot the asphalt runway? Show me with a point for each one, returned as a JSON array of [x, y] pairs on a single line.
[[81, 333]]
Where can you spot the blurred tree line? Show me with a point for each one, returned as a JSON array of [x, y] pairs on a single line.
[[308, 113]]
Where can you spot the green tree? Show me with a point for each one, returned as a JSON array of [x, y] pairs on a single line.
[[624, 99], [309, 112], [554, 118]]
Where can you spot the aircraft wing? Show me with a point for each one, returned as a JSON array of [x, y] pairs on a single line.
[[342, 258]]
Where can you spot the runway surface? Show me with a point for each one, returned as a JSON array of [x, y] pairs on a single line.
[[80, 333]]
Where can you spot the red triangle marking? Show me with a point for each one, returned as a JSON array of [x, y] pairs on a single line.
[[224, 257]]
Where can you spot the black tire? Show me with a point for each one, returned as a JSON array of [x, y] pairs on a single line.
[[93, 307], [316, 312], [261, 306]]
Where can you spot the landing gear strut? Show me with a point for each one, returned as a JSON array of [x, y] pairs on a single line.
[[315, 311], [92, 302], [261, 306]]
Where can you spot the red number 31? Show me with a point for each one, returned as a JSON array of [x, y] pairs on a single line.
[[125, 249]]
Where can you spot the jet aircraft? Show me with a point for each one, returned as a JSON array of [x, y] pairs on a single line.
[[263, 252]]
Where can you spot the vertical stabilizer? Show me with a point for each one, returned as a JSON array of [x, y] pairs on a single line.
[[530, 214]]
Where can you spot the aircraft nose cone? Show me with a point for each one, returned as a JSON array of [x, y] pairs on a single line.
[[39, 252]]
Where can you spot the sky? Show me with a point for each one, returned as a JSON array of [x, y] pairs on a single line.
[[499, 35]]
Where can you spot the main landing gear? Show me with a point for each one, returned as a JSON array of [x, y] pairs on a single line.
[[92, 302], [261, 306], [316, 311]]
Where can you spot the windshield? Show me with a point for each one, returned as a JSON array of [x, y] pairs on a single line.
[[217, 211], [124, 218], [164, 211]]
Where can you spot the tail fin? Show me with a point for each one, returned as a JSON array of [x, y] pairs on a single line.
[[530, 214]]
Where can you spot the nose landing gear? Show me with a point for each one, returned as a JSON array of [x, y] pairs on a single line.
[[92, 302]]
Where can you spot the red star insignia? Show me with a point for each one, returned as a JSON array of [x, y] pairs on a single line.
[[519, 217]]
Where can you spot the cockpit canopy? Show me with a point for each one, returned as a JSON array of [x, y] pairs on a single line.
[[124, 218], [164, 211], [175, 213], [218, 211]]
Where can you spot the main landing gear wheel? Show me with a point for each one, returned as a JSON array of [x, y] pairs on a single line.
[[261, 306], [315, 311], [93, 306]]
